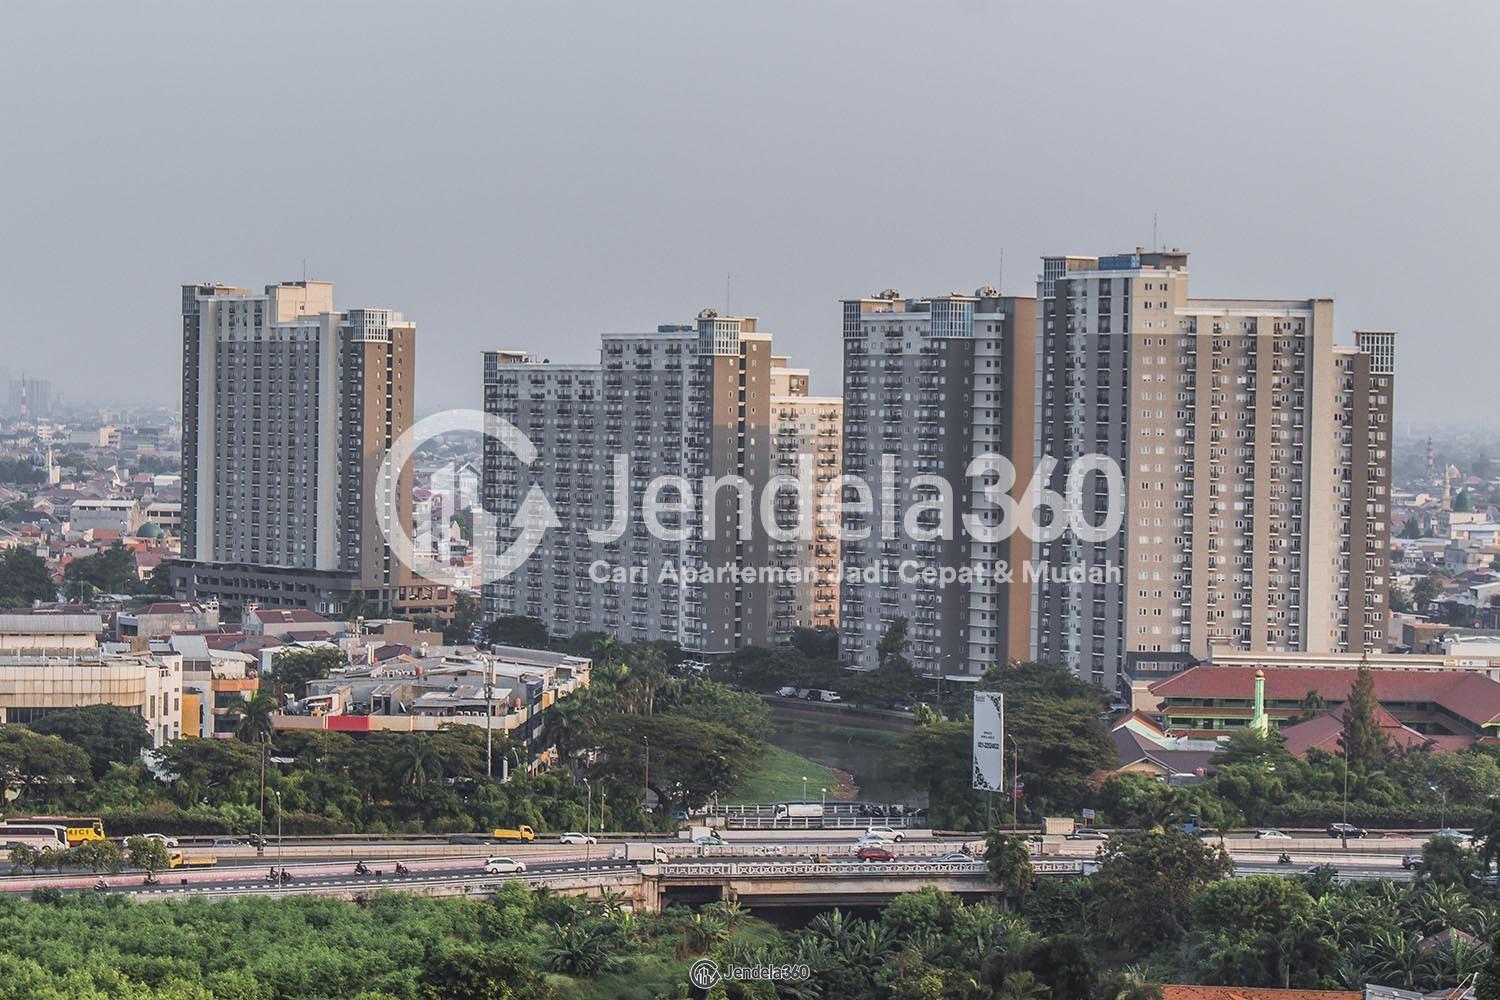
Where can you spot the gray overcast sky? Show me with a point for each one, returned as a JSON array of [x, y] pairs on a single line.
[[528, 176]]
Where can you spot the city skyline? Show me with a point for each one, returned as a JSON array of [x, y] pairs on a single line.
[[1279, 175]]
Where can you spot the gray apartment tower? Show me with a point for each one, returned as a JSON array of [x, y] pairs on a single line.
[[1256, 463], [289, 407], [695, 401], [930, 386]]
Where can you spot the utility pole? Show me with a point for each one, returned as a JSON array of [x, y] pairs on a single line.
[[260, 845], [489, 717], [1015, 783], [646, 790]]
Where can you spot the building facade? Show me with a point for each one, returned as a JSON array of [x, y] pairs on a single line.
[[808, 429], [932, 386], [691, 401], [289, 407], [1256, 466], [35, 686]]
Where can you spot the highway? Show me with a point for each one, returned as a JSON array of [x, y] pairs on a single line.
[[330, 866]]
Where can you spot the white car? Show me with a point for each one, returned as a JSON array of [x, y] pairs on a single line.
[[883, 833], [162, 838], [504, 866], [577, 838], [1271, 835]]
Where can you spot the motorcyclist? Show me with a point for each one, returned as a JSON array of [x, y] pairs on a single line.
[[360, 868], [101, 885], [1285, 859], [151, 878], [401, 869]]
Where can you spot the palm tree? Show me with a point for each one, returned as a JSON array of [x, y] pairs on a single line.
[[1133, 984], [579, 950], [703, 931], [255, 725], [1023, 986], [1397, 958], [416, 763]]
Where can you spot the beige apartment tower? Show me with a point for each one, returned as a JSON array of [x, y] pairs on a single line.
[[1256, 464]]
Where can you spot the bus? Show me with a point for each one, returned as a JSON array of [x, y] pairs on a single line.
[[78, 829], [39, 836]]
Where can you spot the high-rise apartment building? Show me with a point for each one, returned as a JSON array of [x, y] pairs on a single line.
[[930, 386], [808, 429], [1256, 464], [289, 407], [691, 401]]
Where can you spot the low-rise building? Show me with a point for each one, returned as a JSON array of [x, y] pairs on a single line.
[[33, 686], [1218, 700], [51, 632]]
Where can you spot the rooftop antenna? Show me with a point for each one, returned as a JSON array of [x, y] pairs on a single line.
[[1155, 244], [728, 285]]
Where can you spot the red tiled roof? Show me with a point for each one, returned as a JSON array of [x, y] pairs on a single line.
[[1324, 731], [1468, 695]]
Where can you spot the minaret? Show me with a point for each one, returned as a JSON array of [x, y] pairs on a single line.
[[1447, 489], [1431, 461], [1258, 721]]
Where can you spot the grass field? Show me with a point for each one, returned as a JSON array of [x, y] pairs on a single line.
[[778, 778]]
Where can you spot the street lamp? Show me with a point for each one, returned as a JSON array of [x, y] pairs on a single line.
[[823, 793], [588, 810], [1015, 781], [804, 788], [280, 866], [1443, 816]]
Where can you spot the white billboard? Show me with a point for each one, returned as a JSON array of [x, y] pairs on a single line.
[[989, 733]]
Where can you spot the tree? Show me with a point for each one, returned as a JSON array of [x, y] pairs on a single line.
[[816, 643], [689, 759], [24, 857], [1145, 882], [112, 571], [1488, 987], [108, 734], [482, 973], [1364, 744], [147, 852], [254, 725], [24, 579], [40, 766], [292, 669], [518, 630], [1445, 861], [1009, 863], [1412, 527], [98, 855], [1425, 591]]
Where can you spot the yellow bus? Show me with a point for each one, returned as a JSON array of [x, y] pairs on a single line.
[[77, 829]]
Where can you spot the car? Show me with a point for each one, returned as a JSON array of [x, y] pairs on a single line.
[[1486, 878], [577, 838], [1411, 862], [957, 857], [710, 840], [1087, 833], [504, 866], [885, 833], [160, 838], [1271, 835], [1458, 836], [874, 852], [1340, 831], [231, 842]]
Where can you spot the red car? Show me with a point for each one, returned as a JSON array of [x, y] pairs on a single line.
[[874, 852]]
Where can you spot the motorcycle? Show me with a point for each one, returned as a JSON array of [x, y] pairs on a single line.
[[360, 868], [1285, 859], [101, 885], [150, 879], [402, 869]]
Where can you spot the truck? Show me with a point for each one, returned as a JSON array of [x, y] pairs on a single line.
[[177, 859], [646, 852], [522, 832], [1057, 826], [798, 810], [820, 694]]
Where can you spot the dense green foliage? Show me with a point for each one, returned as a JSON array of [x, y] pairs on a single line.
[[112, 571], [24, 579], [703, 739]]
